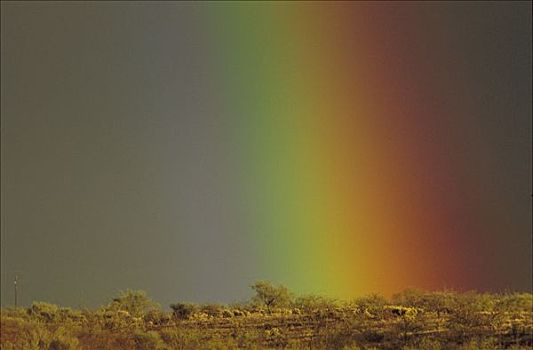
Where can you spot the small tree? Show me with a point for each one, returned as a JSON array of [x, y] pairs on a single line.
[[270, 295], [135, 302]]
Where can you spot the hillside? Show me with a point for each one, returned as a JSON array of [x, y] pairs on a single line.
[[274, 318]]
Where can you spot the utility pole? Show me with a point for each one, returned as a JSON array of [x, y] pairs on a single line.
[[15, 282]]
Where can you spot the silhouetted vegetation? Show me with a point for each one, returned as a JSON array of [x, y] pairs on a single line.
[[275, 318]]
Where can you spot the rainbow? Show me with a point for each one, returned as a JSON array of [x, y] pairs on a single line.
[[326, 111]]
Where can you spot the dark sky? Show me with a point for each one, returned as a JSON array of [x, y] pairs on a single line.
[[111, 142], [109, 151]]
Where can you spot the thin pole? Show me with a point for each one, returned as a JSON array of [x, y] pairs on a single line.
[[16, 277]]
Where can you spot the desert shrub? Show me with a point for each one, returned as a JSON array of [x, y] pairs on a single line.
[[516, 304], [135, 302], [373, 336], [271, 296], [50, 313], [410, 297], [470, 312], [480, 344], [93, 338], [20, 334], [226, 313], [406, 326], [113, 320], [371, 305], [179, 338], [15, 312], [275, 336], [218, 342], [339, 339], [213, 310], [63, 338], [148, 340], [33, 335], [44, 311], [156, 317], [69, 343], [436, 302], [418, 299], [69, 315], [310, 303], [428, 343], [183, 311], [248, 339]]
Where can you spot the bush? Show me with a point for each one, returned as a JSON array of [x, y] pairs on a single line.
[[148, 340], [480, 344], [213, 310], [270, 295], [182, 338], [310, 303], [427, 343], [64, 344], [183, 311], [21, 334], [44, 311], [372, 305], [373, 336], [157, 317], [135, 302]]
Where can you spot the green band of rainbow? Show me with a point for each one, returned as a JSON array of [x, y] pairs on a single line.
[[323, 121]]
